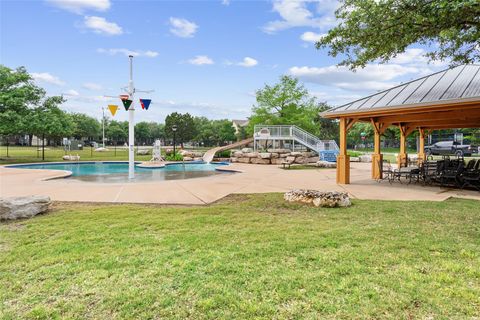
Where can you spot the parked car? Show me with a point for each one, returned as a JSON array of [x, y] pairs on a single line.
[[449, 148]]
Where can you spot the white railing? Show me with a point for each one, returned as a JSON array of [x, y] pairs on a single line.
[[265, 132]]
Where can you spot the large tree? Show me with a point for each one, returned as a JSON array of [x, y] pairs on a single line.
[[18, 94], [117, 131], [86, 127], [378, 30], [186, 129], [288, 103]]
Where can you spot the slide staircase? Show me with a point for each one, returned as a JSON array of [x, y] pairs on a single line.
[[327, 149]]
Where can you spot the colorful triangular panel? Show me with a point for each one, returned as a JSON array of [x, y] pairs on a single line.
[[127, 103], [145, 103], [113, 109]]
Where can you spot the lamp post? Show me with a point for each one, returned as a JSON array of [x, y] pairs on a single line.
[[103, 127], [174, 129]]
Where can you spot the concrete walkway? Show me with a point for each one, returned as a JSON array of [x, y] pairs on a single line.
[[251, 179]]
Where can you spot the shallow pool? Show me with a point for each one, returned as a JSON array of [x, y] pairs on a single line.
[[118, 171]]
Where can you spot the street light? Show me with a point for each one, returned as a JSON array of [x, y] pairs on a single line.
[[174, 129]]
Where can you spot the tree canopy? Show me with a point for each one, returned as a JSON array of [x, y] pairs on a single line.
[[379, 30], [186, 129], [289, 103], [86, 127]]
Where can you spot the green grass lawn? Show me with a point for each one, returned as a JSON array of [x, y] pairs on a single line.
[[248, 256]]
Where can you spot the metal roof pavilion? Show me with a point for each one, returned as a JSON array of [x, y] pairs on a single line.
[[442, 100], [447, 86]]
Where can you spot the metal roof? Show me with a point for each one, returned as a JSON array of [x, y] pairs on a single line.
[[461, 82]]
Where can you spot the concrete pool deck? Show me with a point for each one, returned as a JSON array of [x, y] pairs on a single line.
[[251, 179]]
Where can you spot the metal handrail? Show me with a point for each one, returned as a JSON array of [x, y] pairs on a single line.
[[294, 132]]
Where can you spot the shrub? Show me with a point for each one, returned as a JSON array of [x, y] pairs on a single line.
[[223, 154], [174, 157]]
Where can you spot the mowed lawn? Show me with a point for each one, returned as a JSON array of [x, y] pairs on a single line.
[[246, 257]]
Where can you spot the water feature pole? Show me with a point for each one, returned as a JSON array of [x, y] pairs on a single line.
[[131, 125]]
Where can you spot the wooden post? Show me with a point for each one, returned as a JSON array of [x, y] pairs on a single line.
[[377, 157], [421, 145], [402, 156], [343, 160]]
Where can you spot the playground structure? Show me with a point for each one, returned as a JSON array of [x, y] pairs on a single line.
[[208, 156], [294, 138], [283, 136]]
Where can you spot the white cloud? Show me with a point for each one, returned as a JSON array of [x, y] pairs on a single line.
[[297, 14], [92, 86], [200, 60], [72, 93], [47, 78], [311, 36], [182, 27], [102, 26], [248, 62], [372, 77], [79, 6], [127, 52], [226, 2]]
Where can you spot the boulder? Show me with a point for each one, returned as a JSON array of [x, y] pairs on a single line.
[[300, 160], [168, 151], [365, 158], [187, 159], [260, 161], [326, 164], [142, 152], [198, 159], [290, 159], [307, 154], [23, 207], [101, 149], [277, 160], [274, 155], [328, 199], [312, 160], [233, 159], [295, 154], [187, 153], [279, 150], [244, 160], [71, 158], [284, 155], [237, 154], [247, 150], [251, 154], [354, 159], [264, 155]]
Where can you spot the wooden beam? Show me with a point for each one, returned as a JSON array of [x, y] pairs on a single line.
[[376, 156], [430, 116], [343, 159], [421, 145], [402, 156], [350, 123]]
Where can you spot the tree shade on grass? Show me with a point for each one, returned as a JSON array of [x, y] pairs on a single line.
[[247, 256]]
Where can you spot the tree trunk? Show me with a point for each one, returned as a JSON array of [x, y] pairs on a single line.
[[30, 139], [43, 147]]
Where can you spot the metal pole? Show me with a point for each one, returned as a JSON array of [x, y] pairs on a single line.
[[103, 126], [131, 126], [43, 147], [174, 153]]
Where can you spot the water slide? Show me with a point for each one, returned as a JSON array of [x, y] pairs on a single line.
[[208, 156]]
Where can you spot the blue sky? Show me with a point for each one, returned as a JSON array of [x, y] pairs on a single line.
[[202, 57]]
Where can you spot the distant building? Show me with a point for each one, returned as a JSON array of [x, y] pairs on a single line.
[[237, 124]]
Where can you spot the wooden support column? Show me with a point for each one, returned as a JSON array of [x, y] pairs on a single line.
[[343, 160], [377, 156], [421, 145], [402, 156]]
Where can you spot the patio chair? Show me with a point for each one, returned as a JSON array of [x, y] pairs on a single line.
[[386, 171], [450, 176], [471, 177]]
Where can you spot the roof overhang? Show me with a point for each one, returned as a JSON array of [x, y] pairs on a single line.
[[443, 105]]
